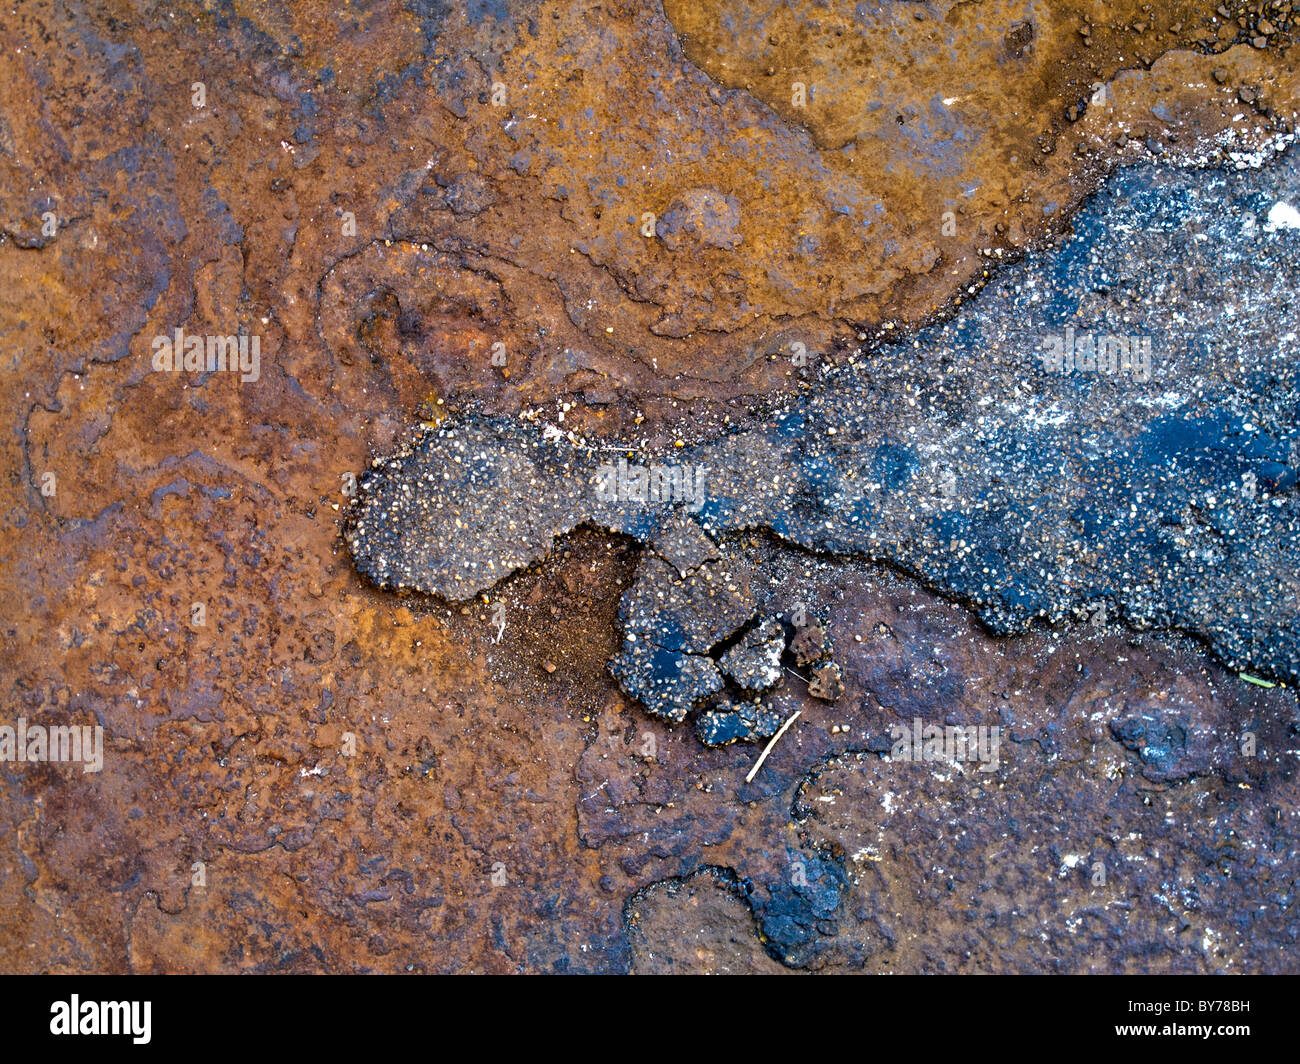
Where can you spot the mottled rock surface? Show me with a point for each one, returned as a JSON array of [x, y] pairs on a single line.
[[310, 774]]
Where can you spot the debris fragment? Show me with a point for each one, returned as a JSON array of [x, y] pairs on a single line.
[[827, 682], [768, 748], [809, 644]]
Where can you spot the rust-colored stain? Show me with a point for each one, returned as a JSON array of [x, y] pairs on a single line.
[[309, 774]]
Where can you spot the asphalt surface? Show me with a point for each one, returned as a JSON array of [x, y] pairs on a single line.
[[1110, 430]]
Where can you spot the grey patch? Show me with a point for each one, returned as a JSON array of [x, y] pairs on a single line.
[[670, 624], [469, 194], [666, 682], [682, 543]]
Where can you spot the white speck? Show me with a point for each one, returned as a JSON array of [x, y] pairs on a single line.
[[1282, 216], [1069, 861]]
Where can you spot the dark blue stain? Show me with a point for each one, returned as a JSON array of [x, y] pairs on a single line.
[[893, 465], [1162, 209], [640, 524], [862, 515], [215, 207], [1159, 744], [430, 14], [790, 425], [716, 515], [1092, 523], [1276, 476], [950, 526], [1024, 600], [665, 666], [819, 475], [307, 111], [801, 906], [387, 87], [964, 333], [1215, 444], [478, 10], [669, 638]]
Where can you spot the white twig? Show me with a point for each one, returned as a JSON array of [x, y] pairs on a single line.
[[596, 791], [768, 748]]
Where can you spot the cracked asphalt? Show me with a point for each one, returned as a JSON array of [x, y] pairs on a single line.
[[1149, 472]]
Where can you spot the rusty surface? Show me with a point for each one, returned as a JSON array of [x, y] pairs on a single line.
[[506, 807]]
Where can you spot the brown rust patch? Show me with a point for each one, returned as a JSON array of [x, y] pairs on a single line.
[[224, 741]]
